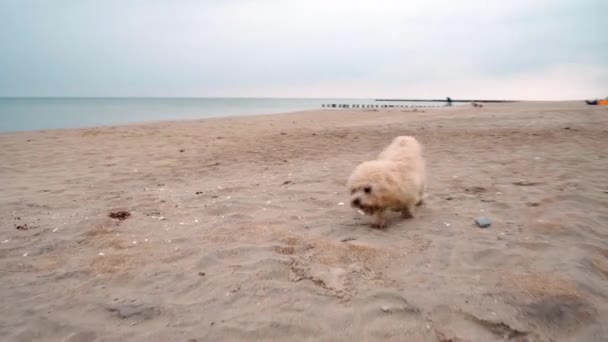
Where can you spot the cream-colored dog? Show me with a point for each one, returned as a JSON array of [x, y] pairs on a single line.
[[396, 180]]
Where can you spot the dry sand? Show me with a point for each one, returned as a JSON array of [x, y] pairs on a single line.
[[242, 235]]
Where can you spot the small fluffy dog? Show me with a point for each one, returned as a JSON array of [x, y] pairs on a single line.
[[395, 180]]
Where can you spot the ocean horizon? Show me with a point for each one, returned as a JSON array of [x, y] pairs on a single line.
[[41, 113]]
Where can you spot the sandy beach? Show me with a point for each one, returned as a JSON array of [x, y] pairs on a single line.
[[240, 229]]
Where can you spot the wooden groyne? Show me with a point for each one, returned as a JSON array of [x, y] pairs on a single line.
[[373, 106], [446, 100]]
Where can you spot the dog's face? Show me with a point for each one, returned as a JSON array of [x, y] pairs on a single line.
[[365, 197], [372, 187]]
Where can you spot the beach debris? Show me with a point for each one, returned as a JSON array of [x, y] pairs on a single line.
[[120, 215], [22, 227], [341, 203], [286, 182], [198, 193], [195, 220], [385, 308], [144, 312], [101, 254], [234, 290], [24, 254], [350, 238], [181, 150], [55, 230], [5, 241], [283, 133], [447, 224], [526, 183], [475, 189], [202, 274], [449, 198], [483, 222]]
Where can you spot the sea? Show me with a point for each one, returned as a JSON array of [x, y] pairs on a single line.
[[27, 114]]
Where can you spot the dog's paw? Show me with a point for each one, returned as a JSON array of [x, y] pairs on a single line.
[[378, 225], [407, 214]]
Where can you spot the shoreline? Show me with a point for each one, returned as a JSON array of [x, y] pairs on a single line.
[[31, 114], [236, 116], [297, 112]]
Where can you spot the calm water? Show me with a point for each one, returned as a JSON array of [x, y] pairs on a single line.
[[23, 114]]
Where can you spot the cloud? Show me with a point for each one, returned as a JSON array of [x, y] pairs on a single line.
[[304, 48]]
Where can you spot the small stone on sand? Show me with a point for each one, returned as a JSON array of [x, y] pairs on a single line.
[[483, 222]]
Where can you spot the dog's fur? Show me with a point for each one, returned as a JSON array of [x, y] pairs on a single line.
[[395, 180]]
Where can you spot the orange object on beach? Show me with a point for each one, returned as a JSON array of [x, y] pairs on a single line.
[[602, 102]]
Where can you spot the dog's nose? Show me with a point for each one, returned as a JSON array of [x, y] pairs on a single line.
[[356, 202]]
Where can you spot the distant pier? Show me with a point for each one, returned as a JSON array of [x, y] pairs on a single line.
[[447, 102], [373, 106]]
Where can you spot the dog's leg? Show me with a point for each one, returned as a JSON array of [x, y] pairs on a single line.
[[380, 221], [421, 197], [408, 212]]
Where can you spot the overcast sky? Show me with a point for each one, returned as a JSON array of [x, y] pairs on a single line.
[[516, 49]]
